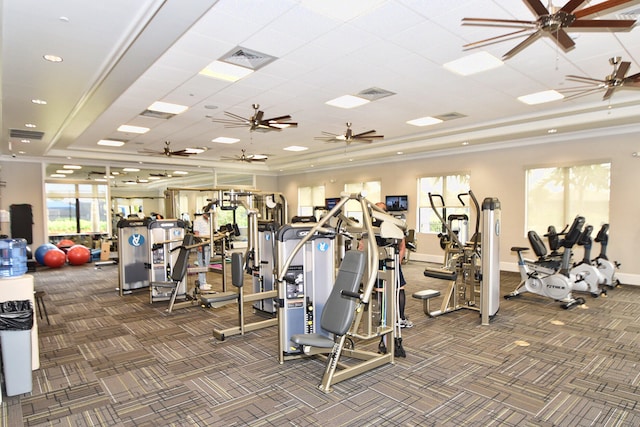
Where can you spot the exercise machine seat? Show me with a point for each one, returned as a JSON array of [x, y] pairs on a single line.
[[179, 270], [339, 309]]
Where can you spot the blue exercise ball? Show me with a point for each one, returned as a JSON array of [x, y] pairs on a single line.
[[43, 249]]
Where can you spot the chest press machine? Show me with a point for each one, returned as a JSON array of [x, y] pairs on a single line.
[[347, 320]]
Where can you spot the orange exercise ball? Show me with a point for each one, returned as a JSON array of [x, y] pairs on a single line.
[[78, 255], [65, 244], [55, 258]]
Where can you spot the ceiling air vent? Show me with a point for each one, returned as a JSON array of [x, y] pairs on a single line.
[[25, 134], [247, 58], [449, 116], [157, 114], [374, 93], [629, 14]]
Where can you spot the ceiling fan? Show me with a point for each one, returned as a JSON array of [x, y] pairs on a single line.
[[349, 136], [167, 151], [613, 81], [552, 21], [248, 158], [257, 122]]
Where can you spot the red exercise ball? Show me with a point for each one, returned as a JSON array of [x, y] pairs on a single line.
[[65, 244], [78, 255], [55, 258]]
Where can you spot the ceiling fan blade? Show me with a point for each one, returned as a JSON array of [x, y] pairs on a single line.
[[599, 7], [236, 117], [277, 119], [603, 23], [364, 133], [571, 5], [633, 79], [369, 137], [580, 88], [522, 45], [492, 21], [493, 39], [537, 7], [183, 153], [584, 79], [622, 70], [583, 93], [608, 93], [563, 38]]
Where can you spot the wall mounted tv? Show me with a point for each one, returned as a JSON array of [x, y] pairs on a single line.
[[331, 202], [397, 203]]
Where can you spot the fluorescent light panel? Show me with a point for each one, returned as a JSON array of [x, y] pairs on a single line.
[[473, 64], [225, 71], [111, 143], [541, 97], [167, 107], [295, 148], [225, 140], [347, 101], [72, 167], [424, 121], [133, 129]]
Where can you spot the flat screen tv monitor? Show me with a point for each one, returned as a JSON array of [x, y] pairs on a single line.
[[331, 202], [397, 203]]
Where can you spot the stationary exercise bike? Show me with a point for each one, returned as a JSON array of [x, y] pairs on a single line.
[[550, 282], [606, 267], [590, 278]]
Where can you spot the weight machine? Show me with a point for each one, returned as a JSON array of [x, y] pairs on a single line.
[[347, 324], [472, 268]]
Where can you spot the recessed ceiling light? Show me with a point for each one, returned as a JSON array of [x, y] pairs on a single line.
[[465, 143], [424, 121], [225, 71], [26, 141], [167, 107], [58, 175], [541, 97], [100, 179], [39, 101], [52, 58], [181, 173], [399, 152], [347, 101], [295, 148], [142, 180], [154, 178], [130, 182], [225, 140], [552, 130], [29, 125], [72, 166], [115, 173], [111, 142], [130, 170], [472, 64], [133, 129], [64, 171]]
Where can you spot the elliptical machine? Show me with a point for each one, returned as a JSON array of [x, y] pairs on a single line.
[[553, 283], [606, 267]]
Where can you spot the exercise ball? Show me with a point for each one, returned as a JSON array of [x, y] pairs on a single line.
[[78, 255], [55, 258], [65, 244], [41, 250]]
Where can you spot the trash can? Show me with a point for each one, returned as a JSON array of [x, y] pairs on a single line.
[[16, 321]]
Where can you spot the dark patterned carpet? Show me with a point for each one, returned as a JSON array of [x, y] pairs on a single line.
[[108, 360]]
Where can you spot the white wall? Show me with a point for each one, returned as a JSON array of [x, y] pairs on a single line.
[[501, 173]]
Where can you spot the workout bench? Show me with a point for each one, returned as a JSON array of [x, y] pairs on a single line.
[[426, 295]]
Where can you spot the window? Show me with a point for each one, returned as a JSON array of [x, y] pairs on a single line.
[[76, 208], [556, 195], [447, 186], [308, 198], [372, 191]]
